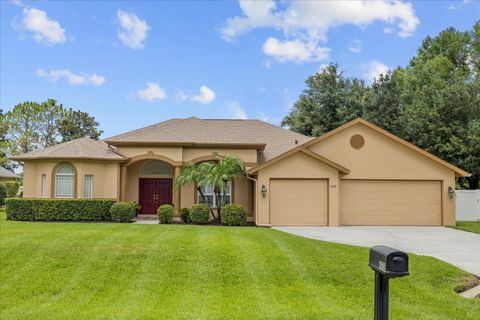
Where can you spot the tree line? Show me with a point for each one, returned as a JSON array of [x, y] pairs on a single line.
[[433, 102], [32, 125]]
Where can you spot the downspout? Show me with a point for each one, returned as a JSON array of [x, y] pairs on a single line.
[[256, 203]]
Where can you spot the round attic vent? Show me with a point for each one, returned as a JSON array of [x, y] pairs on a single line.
[[357, 141]]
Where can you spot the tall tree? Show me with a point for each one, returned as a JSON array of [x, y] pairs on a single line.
[[22, 123], [50, 116], [383, 105], [434, 102], [77, 124], [4, 162], [441, 95], [329, 100], [31, 125]]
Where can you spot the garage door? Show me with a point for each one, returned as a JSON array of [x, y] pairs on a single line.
[[379, 202], [298, 202]]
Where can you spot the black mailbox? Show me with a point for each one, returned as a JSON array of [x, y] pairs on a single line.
[[388, 261]]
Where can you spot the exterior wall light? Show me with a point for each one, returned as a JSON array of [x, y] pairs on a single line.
[[263, 190], [451, 192]]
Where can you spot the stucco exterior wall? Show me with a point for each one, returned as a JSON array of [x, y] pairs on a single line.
[[106, 176], [297, 166], [382, 158]]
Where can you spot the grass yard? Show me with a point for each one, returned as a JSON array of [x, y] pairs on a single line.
[[470, 226], [124, 271]]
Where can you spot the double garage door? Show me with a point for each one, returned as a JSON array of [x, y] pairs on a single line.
[[361, 202]]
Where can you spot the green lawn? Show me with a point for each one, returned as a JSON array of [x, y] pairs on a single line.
[[125, 271], [470, 226]]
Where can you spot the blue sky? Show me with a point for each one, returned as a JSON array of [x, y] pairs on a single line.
[[134, 63]]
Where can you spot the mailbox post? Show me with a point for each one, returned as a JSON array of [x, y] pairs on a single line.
[[387, 263]]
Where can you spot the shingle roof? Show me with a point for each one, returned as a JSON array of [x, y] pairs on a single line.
[[83, 148], [189, 131], [278, 140], [270, 140], [5, 173]]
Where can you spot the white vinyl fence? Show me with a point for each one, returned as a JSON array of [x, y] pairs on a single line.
[[467, 205]]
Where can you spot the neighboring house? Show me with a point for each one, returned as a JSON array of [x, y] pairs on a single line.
[[357, 174], [7, 175]]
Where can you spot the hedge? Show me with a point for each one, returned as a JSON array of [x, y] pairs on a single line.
[[165, 213], [3, 193], [122, 211], [199, 214], [234, 215], [58, 209]]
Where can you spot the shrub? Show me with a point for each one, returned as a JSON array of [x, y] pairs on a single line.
[[122, 211], [3, 193], [58, 209], [165, 213], [136, 206], [234, 215], [185, 214], [199, 214], [12, 188]]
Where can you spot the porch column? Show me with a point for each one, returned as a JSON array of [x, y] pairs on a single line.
[[176, 193]]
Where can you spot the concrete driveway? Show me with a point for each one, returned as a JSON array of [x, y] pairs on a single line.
[[459, 248]]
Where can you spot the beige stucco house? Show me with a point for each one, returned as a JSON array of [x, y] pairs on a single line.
[[357, 174]]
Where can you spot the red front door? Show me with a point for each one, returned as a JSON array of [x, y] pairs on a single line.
[[153, 192]]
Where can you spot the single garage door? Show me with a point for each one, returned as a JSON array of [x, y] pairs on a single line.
[[380, 202], [298, 202]]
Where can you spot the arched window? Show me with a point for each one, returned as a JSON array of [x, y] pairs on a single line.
[[155, 168], [65, 181]]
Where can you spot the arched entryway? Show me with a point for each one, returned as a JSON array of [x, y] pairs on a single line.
[[155, 186]]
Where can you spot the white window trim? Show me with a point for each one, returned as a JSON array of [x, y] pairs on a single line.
[[214, 205], [85, 186], [57, 174]]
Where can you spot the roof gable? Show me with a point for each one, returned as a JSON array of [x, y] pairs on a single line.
[[301, 149], [458, 171]]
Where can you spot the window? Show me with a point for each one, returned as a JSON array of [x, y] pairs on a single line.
[[210, 198], [155, 168], [44, 185], [65, 182], [88, 186]]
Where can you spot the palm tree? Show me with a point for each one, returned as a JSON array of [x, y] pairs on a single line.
[[192, 174], [218, 174], [213, 173]]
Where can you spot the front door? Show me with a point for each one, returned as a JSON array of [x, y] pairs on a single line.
[[153, 192]]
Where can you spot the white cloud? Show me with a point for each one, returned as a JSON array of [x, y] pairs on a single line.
[[18, 3], [374, 69], [72, 78], [152, 92], [388, 30], [306, 23], [237, 111], [205, 96], [134, 30], [295, 50], [44, 29], [356, 46]]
